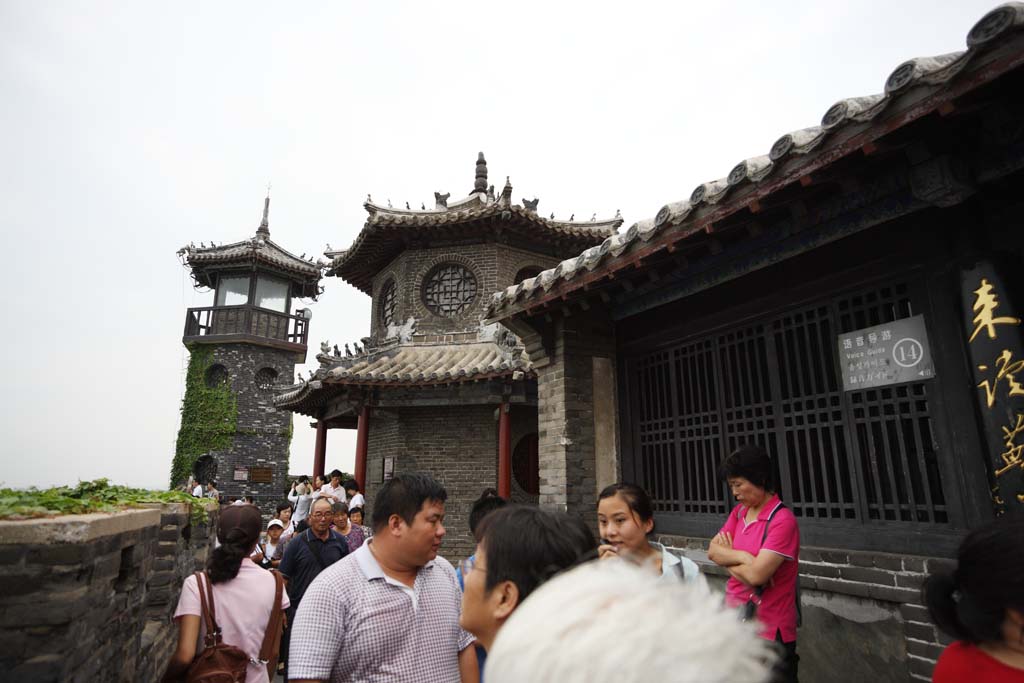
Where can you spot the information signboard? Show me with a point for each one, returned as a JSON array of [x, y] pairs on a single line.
[[261, 475], [389, 469], [241, 474], [892, 353]]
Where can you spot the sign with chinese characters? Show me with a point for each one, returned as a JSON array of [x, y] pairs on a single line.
[[886, 354], [389, 469], [261, 475], [241, 474], [995, 341]]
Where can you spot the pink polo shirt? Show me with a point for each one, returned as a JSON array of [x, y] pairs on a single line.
[[777, 610], [242, 608]]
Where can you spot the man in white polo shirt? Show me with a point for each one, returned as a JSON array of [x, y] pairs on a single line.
[[390, 610]]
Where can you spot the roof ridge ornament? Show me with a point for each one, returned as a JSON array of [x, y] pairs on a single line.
[[264, 229], [480, 183], [506, 193]]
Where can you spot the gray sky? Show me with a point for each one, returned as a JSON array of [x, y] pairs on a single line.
[[129, 129]]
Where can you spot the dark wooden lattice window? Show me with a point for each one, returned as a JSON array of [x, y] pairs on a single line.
[[449, 289], [265, 378], [851, 457], [387, 303]]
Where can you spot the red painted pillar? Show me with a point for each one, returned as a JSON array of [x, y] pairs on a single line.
[[505, 451], [320, 450], [362, 443]]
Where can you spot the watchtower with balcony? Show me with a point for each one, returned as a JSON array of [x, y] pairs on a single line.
[[241, 347]]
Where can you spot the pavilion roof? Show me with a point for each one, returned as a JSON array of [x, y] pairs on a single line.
[[420, 361], [389, 230], [207, 261]]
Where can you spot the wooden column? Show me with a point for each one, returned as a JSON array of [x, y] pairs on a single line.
[[505, 451], [362, 442], [320, 450]]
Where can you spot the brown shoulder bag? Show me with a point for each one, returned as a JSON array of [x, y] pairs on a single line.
[[222, 663]]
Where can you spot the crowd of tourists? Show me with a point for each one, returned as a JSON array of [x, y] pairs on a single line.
[[542, 598]]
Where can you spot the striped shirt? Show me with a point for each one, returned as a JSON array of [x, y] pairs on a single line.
[[357, 624]]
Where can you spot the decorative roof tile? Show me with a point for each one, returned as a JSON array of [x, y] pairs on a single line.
[[937, 73], [387, 229], [409, 364]]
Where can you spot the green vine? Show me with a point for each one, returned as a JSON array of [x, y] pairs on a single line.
[[91, 496], [209, 416]]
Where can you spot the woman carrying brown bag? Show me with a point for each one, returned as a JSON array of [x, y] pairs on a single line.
[[230, 616]]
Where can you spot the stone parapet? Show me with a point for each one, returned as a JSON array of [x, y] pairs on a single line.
[[89, 597]]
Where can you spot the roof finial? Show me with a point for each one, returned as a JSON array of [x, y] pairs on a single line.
[[481, 174], [506, 193], [264, 229]]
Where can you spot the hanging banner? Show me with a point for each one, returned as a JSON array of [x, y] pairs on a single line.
[[892, 353], [995, 340]]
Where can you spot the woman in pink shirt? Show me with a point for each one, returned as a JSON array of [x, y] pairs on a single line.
[[981, 604], [760, 546], [243, 596]]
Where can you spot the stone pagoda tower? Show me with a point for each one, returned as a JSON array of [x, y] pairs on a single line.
[[240, 348], [433, 388]]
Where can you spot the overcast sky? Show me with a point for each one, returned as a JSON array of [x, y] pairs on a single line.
[[130, 129]]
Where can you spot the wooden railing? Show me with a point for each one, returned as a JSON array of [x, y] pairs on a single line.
[[245, 321]]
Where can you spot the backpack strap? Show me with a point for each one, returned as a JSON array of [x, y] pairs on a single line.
[[272, 636], [208, 609]]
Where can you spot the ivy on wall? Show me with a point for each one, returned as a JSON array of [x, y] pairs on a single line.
[[209, 416]]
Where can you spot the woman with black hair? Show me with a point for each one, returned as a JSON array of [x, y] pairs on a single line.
[[981, 604], [242, 595], [760, 546], [625, 520]]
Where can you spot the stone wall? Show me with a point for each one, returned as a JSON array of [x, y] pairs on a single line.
[[262, 437], [457, 445], [88, 597], [863, 619], [493, 265]]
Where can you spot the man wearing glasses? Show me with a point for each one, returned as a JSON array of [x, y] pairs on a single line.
[[308, 554]]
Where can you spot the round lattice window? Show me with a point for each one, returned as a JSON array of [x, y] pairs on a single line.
[[449, 289], [387, 304], [216, 375], [265, 378]]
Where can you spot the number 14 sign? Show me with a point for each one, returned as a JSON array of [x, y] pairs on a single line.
[[892, 353]]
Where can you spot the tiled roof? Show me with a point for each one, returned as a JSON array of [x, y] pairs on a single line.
[[254, 250], [410, 364], [792, 157], [387, 230]]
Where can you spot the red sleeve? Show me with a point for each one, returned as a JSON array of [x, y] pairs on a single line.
[[783, 535], [730, 522]]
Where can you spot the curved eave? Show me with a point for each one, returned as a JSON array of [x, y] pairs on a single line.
[[915, 89], [385, 235]]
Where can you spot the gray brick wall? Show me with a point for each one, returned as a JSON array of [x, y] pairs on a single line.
[[261, 438], [457, 445], [95, 610]]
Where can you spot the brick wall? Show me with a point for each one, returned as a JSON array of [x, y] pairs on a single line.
[[565, 411], [457, 445], [261, 439], [862, 613], [493, 265], [87, 597]]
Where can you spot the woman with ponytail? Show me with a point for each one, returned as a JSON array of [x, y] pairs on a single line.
[[981, 605], [243, 596]]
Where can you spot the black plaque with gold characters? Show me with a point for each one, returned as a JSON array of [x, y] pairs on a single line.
[[995, 340]]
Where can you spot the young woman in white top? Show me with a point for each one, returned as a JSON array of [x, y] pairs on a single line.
[[355, 498], [625, 518]]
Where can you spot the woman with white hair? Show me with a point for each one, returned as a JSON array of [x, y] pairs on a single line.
[[618, 621]]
